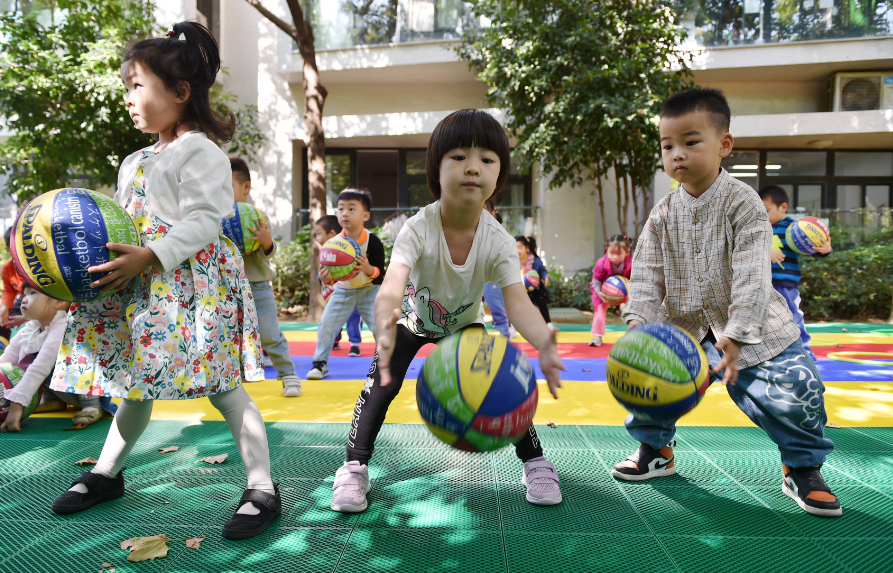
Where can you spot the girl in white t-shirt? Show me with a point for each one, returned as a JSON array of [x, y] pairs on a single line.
[[181, 323], [441, 260]]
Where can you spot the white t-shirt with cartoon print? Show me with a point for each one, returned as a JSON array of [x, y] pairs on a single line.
[[441, 297]]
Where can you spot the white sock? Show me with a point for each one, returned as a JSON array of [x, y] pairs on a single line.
[[245, 422]]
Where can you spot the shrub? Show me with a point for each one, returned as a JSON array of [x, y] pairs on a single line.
[[571, 291], [856, 282]]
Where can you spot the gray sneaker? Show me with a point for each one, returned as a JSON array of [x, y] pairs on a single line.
[[542, 482], [319, 371], [291, 386], [351, 486]]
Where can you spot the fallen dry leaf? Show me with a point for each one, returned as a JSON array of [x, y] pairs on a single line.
[[112, 570], [844, 330], [146, 548], [552, 424], [874, 389], [168, 449], [105, 565], [167, 502], [214, 459], [87, 462], [831, 425], [587, 370], [194, 542], [78, 427]]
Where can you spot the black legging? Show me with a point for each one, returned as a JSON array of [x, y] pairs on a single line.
[[372, 405]]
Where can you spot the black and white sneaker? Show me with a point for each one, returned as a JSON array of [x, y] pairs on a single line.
[[807, 487], [319, 371], [646, 463], [354, 350]]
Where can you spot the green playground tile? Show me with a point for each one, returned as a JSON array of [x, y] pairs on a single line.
[[79, 549], [41, 428], [858, 555], [764, 469], [187, 464], [17, 537], [705, 551], [430, 503], [884, 435], [867, 513], [594, 508], [307, 504], [177, 433], [443, 463], [707, 510], [872, 469], [305, 434], [572, 466], [28, 456], [278, 550], [723, 439], [290, 463], [562, 437], [857, 440], [405, 436], [422, 550], [558, 552], [29, 498], [607, 438]]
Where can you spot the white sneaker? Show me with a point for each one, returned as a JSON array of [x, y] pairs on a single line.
[[351, 486], [319, 371], [291, 386], [596, 341], [541, 480]]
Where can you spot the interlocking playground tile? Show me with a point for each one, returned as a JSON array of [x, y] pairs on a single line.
[[863, 440], [313, 463], [717, 510], [422, 550], [443, 463], [723, 439], [607, 438], [18, 536], [178, 433], [692, 469], [405, 436], [872, 469], [307, 504], [579, 552], [763, 468], [594, 508], [29, 456], [431, 503], [572, 466], [316, 434], [30, 497], [278, 550]]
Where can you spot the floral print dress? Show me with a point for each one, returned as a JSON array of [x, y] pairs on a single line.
[[185, 333]]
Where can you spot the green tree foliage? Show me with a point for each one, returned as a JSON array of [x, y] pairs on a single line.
[[62, 97], [582, 82]]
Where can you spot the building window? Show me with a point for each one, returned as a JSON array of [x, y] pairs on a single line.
[[208, 14]]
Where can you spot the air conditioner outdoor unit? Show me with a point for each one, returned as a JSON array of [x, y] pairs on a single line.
[[860, 91]]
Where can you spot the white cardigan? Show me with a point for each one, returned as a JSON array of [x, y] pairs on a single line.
[[189, 186]]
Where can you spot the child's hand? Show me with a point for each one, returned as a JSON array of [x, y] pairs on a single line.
[[131, 261], [13, 421], [633, 323], [4, 315], [551, 364], [362, 263], [386, 336], [325, 276], [777, 257], [263, 235], [602, 296], [730, 351], [824, 247]]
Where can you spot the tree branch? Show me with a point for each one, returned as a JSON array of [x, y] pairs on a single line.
[[279, 22]]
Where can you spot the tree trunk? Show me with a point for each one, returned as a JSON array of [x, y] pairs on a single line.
[[890, 320], [314, 100], [601, 202]]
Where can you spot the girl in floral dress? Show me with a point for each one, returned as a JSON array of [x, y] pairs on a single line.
[[181, 323]]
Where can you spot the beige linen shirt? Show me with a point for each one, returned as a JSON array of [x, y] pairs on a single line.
[[703, 263]]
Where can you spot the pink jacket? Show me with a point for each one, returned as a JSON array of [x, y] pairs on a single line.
[[603, 269]]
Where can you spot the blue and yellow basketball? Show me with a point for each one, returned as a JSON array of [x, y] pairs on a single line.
[[531, 280], [60, 234], [236, 228], [338, 255], [10, 376], [476, 392], [658, 372], [616, 289], [805, 234]]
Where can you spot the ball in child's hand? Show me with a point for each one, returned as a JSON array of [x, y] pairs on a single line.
[[10, 376], [236, 228], [477, 392], [805, 234], [616, 289], [338, 255], [531, 280], [658, 372], [60, 234]]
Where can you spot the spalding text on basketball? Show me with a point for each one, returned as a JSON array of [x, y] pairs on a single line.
[[30, 244], [619, 381]]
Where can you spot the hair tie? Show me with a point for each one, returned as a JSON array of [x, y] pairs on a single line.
[[170, 34]]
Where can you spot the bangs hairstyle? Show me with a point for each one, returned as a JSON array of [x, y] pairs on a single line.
[[329, 224], [529, 242], [467, 128], [700, 99], [240, 169], [361, 195], [619, 240], [775, 194], [196, 60]]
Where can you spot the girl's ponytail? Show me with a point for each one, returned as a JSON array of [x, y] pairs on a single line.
[[188, 53]]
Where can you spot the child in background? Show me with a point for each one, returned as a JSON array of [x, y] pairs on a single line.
[[261, 274], [530, 261], [701, 265], [12, 290], [442, 258], [35, 347], [357, 293], [616, 261], [324, 229], [492, 292], [180, 322], [786, 262]]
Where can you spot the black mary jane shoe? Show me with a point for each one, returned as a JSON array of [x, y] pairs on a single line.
[[242, 525], [99, 489]]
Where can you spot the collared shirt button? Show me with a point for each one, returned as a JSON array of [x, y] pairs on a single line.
[[700, 280], [705, 306], [698, 250], [696, 219]]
